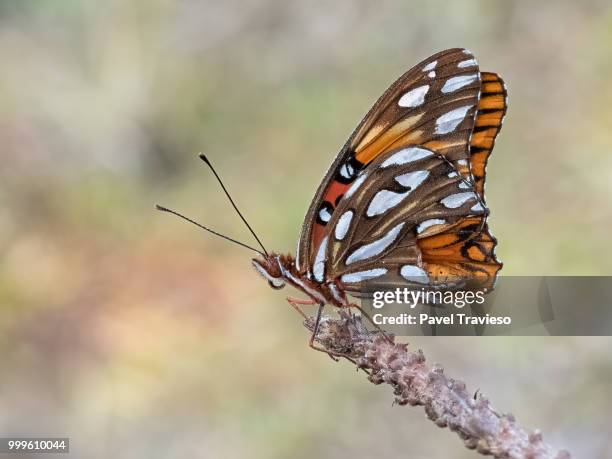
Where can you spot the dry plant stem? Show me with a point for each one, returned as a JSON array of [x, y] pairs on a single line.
[[447, 402]]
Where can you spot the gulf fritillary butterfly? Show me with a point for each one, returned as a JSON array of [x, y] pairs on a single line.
[[403, 200]]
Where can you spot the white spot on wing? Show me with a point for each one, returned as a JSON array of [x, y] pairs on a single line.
[[385, 200], [375, 248], [427, 223], [347, 171], [344, 222], [464, 185], [430, 66], [412, 179], [458, 82], [363, 275], [356, 184], [318, 268], [452, 174], [324, 215], [414, 98], [477, 207], [405, 156], [431, 74], [449, 121], [467, 63], [456, 200], [462, 162], [414, 273]]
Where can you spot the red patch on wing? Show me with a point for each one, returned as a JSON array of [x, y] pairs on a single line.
[[332, 195]]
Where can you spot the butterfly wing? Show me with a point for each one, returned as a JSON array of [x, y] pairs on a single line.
[[464, 251], [467, 250], [408, 217], [432, 105], [491, 110]]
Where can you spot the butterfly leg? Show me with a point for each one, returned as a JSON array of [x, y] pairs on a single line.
[[333, 355], [367, 316], [297, 302], [315, 330]]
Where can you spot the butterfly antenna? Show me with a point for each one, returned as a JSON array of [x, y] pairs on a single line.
[[165, 209], [205, 159]]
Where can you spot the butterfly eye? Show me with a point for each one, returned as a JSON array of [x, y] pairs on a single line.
[[276, 284]]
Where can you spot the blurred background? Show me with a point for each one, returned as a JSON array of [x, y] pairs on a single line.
[[140, 336]]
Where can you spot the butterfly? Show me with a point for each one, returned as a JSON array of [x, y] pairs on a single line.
[[404, 200]]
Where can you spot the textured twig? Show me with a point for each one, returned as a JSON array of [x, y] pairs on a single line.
[[447, 402]]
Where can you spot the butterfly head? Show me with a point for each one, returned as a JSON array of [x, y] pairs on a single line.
[[272, 269]]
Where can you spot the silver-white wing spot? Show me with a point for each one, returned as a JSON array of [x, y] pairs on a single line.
[[430, 66], [343, 224], [406, 155], [347, 171], [414, 98], [375, 248], [449, 121], [415, 274], [431, 74], [385, 200], [427, 223], [467, 63], [456, 200], [412, 179], [363, 275], [464, 185], [458, 82], [453, 174], [318, 268], [356, 184], [324, 214], [462, 162], [477, 207]]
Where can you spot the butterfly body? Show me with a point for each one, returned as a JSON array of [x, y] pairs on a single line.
[[281, 269], [403, 202]]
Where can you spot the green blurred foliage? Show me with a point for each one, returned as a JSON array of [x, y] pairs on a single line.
[[138, 336]]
